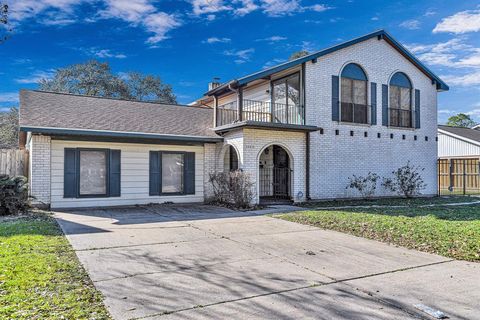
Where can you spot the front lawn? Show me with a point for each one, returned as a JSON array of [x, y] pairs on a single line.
[[40, 276], [451, 231]]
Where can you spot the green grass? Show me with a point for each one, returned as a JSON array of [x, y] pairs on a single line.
[[40, 276], [390, 202], [450, 231]]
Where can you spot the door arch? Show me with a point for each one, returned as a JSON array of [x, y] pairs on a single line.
[[275, 173]]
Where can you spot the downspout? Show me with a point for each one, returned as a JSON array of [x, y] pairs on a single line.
[[307, 137]]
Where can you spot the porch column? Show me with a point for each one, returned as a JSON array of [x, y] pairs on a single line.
[[240, 103], [215, 111]]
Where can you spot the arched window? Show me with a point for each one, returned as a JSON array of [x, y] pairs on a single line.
[[400, 111], [354, 94]]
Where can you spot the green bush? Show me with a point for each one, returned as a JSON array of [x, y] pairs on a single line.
[[13, 194]]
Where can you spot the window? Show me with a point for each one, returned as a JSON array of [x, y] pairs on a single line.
[[400, 111], [91, 173], [171, 173], [353, 102]]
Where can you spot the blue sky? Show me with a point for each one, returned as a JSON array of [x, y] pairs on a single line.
[[187, 43]]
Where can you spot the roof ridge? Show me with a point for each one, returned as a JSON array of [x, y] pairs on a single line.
[[116, 99]]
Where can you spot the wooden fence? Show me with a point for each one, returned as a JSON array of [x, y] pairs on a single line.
[[14, 162], [458, 176]]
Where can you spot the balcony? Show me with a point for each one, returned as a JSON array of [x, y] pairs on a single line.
[[260, 111], [355, 113]]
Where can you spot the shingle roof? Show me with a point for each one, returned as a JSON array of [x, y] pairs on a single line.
[[68, 111], [467, 133]]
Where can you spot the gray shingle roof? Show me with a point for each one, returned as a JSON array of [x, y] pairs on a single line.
[[467, 133], [68, 111]]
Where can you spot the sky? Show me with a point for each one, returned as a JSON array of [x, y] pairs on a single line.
[[188, 43]]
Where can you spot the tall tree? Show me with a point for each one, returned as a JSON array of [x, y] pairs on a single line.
[[94, 78], [9, 128], [298, 54], [4, 29], [461, 120]]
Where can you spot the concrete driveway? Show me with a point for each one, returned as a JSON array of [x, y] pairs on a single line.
[[195, 262]]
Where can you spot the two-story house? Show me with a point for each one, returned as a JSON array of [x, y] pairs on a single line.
[[300, 129]]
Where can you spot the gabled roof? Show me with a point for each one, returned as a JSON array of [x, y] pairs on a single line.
[[60, 113], [380, 34], [467, 134]]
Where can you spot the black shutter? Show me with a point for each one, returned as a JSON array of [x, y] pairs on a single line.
[[335, 99], [189, 167], [373, 98], [114, 174], [70, 173], [155, 173], [384, 105], [417, 108]]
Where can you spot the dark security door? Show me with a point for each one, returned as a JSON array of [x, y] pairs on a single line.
[[281, 173]]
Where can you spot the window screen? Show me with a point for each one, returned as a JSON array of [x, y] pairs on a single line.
[[172, 173], [93, 172]]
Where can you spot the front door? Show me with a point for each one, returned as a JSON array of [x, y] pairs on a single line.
[[281, 173]]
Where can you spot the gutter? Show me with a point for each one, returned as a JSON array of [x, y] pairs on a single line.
[[117, 134]]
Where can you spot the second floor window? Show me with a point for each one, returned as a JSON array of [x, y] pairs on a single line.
[[286, 100], [400, 91], [353, 102]]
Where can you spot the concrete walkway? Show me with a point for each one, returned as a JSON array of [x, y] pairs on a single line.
[[203, 262]]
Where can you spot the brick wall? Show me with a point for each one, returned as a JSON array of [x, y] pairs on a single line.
[[40, 152], [335, 158]]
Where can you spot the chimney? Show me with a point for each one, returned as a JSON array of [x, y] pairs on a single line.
[[214, 84]]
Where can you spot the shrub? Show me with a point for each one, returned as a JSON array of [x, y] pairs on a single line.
[[13, 194], [406, 181], [233, 189], [366, 186]]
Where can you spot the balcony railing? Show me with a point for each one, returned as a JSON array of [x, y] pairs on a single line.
[[355, 113], [261, 111], [400, 118]]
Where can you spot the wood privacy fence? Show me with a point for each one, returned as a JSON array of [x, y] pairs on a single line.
[[459, 176], [14, 162]]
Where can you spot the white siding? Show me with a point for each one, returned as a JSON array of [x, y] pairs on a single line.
[[449, 146], [134, 174]]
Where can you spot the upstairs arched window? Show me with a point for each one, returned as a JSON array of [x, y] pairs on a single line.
[[353, 102], [400, 111]]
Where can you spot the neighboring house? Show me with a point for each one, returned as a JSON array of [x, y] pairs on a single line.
[[300, 129], [458, 160]]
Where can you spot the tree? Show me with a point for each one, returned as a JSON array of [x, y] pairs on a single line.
[[461, 120], [94, 78], [4, 29], [298, 54], [9, 128]]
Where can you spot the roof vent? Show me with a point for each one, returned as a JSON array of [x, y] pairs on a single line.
[[214, 84]]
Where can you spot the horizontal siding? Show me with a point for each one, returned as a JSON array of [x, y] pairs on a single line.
[[134, 175], [452, 147]]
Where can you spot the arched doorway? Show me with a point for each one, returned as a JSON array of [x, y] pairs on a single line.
[[230, 160], [275, 174]]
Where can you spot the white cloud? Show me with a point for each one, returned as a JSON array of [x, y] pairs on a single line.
[[25, 9], [446, 54], [445, 111], [160, 23], [474, 113], [461, 22], [278, 8], [241, 56], [272, 39], [9, 97], [209, 6], [430, 12], [320, 7], [410, 24], [36, 76], [216, 40], [465, 80], [375, 18], [104, 53], [246, 6]]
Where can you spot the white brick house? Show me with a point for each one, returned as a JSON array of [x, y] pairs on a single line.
[[300, 129]]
